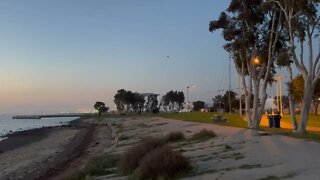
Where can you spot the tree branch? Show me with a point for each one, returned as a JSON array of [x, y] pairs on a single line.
[[301, 56], [316, 61]]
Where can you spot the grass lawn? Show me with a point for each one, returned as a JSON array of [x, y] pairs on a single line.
[[234, 120], [313, 120]]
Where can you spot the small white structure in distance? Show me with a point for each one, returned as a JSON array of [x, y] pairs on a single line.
[[270, 103]]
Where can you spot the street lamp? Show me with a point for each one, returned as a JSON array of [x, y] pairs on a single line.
[[256, 60], [190, 86]]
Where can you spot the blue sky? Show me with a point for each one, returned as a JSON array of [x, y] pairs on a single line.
[[64, 55]]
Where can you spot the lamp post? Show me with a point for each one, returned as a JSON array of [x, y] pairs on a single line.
[[279, 79], [190, 86]]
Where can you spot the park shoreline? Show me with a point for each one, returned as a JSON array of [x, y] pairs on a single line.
[[46, 153]]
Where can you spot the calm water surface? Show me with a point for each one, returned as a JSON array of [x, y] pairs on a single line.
[[9, 125]]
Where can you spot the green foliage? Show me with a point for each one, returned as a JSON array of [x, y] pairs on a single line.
[[100, 107], [233, 99], [152, 103], [246, 27], [98, 166], [198, 105], [129, 101], [296, 88], [173, 101]]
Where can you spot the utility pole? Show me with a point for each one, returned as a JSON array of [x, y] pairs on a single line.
[[190, 86]]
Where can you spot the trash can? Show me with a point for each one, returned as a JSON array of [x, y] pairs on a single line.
[[276, 121], [271, 121]]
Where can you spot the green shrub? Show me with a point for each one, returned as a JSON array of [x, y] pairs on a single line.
[[130, 159], [162, 163], [97, 166]]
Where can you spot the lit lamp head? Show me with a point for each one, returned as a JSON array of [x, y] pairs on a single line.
[[256, 60]]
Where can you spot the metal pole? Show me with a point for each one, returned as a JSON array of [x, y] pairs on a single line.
[[279, 80], [281, 96], [240, 96], [229, 84], [278, 95], [187, 98]]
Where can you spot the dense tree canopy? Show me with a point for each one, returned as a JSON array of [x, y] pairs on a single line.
[[129, 101], [198, 105], [173, 101], [251, 29], [100, 107]]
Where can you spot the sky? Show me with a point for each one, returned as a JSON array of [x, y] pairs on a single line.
[[64, 55]]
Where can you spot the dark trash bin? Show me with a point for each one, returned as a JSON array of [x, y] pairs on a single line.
[[274, 121], [270, 120]]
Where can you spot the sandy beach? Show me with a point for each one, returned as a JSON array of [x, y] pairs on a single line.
[[51, 153], [56, 153]]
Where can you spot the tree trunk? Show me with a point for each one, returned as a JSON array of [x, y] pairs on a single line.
[[99, 113], [247, 96], [307, 98], [292, 106], [256, 104], [263, 103]]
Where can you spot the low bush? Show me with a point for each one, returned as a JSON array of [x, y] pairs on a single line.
[[204, 134], [162, 163], [130, 159], [175, 137], [97, 166]]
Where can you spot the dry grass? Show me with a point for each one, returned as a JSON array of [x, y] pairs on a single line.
[[153, 159], [101, 165], [162, 163], [204, 134], [175, 137], [130, 160]]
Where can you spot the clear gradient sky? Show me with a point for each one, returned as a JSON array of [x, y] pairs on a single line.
[[63, 55]]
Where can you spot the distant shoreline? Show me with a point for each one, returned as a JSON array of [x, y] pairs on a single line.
[[10, 133], [47, 116]]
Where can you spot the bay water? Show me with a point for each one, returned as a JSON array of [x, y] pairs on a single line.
[[9, 125]]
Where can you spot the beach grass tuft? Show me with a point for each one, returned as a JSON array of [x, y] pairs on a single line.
[[175, 137], [102, 165], [129, 161], [203, 135], [162, 163]]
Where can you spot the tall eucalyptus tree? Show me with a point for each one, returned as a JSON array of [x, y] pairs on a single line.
[[252, 30]]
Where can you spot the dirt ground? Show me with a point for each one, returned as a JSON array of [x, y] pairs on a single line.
[[234, 154]]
